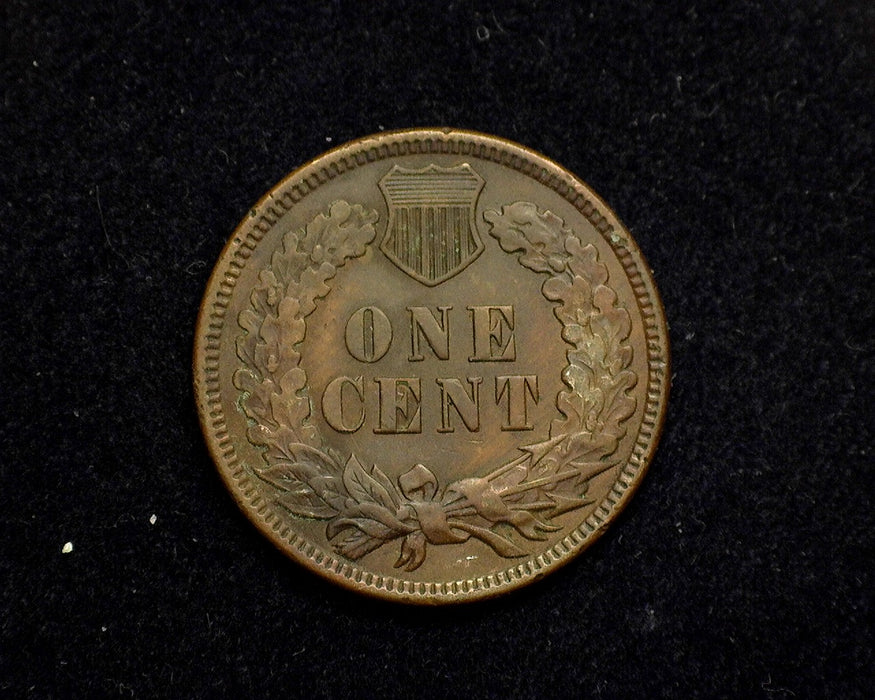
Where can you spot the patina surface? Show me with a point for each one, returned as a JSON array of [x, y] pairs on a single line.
[[431, 365]]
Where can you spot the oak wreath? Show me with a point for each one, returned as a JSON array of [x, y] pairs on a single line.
[[362, 507]]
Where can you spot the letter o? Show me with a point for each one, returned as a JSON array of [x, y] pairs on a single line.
[[368, 334]]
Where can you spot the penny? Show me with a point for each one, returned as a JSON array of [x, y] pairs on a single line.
[[431, 366]]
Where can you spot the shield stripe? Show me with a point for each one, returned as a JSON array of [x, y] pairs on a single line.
[[447, 228], [431, 233]]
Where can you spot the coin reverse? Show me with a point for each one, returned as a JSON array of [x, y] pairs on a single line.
[[431, 366]]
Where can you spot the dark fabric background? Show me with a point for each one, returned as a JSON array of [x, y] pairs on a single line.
[[734, 138]]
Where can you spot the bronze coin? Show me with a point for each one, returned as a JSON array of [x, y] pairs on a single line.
[[431, 365]]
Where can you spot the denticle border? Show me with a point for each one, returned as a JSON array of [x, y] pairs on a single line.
[[304, 181]]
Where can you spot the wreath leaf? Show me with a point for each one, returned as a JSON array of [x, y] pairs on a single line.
[[364, 487], [522, 227], [306, 504]]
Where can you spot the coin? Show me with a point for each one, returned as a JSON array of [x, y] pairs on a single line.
[[431, 365]]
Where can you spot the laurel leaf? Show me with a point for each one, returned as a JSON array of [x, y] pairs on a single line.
[[386, 483], [357, 544], [375, 511], [306, 504], [307, 472], [330, 489], [364, 488], [286, 450], [372, 528]]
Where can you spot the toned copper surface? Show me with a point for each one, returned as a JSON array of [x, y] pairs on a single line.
[[431, 365]]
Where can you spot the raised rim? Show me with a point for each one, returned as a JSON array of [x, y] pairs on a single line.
[[307, 178]]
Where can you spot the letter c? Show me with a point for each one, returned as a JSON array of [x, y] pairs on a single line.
[[332, 404]]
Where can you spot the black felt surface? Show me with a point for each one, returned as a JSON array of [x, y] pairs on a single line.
[[735, 139]]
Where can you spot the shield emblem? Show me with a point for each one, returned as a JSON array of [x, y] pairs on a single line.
[[432, 234]]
